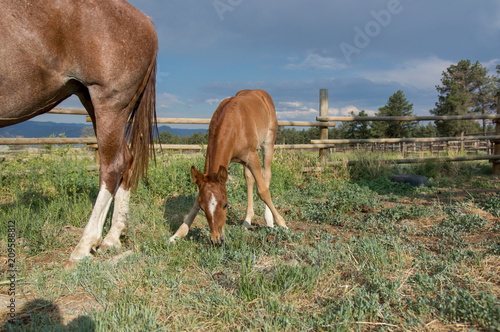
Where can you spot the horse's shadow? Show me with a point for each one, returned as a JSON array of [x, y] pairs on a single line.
[[43, 315]]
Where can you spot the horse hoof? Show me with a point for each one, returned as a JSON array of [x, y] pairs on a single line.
[[173, 239], [247, 225], [70, 265], [105, 245]]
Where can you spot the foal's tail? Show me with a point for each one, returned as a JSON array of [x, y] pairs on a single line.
[[141, 126]]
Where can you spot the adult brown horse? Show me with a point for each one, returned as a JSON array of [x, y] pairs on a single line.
[[105, 53], [239, 125]]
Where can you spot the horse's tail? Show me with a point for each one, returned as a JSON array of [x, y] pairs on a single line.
[[141, 126]]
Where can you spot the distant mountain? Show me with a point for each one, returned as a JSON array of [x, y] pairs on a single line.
[[36, 129], [179, 131]]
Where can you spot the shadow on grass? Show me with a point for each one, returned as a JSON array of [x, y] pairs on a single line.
[[43, 315], [176, 209]]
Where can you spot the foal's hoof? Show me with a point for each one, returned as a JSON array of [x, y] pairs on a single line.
[[105, 245], [247, 225], [173, 239], [70, 265], [281, 223]]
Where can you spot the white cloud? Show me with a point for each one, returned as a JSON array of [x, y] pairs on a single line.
[[346, 111], [295, 104], [316, 61], [297, 110], [293, 109], [214, 101], [419, 73], [167, 100], [491, 65]]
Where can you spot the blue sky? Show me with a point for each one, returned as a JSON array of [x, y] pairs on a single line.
[[361, 51]]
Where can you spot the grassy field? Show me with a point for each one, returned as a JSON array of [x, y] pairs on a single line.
[[362, 253]]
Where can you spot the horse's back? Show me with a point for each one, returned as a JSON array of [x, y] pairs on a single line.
[[244, 121], [247, 107], [255, 100], [51, 49]]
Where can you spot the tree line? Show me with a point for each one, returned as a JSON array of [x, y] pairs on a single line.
[[466, 88]]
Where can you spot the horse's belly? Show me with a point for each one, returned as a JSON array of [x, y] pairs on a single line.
[[22, 98]]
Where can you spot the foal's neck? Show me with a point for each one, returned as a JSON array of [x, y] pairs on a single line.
[[218, 154]]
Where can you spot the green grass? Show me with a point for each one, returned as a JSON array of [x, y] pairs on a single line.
[[362, 253]]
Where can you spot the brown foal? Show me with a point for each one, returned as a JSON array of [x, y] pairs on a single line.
[[238, 127], [105, 53]]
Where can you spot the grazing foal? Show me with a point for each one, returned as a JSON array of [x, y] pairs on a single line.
[[238, 127]]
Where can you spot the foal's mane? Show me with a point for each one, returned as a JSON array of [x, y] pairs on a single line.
[[218, 115]]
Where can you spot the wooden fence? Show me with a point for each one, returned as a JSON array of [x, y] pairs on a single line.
[[495, 139], [491, 143]]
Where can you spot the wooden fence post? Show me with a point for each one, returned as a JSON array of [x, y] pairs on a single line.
[[323, 111], [97, 157], [496, 163]]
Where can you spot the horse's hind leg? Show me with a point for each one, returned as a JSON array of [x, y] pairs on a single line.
[[267, 156], [116, 161], [122, 195], [91, 237], [250, 182], [263, 189], [119, 220], [117, 168]]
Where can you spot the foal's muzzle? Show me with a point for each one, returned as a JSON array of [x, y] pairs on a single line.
[[218, 242]]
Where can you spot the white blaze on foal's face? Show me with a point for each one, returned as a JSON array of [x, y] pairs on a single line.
[[213, 201], [212, 198], [212, 205]]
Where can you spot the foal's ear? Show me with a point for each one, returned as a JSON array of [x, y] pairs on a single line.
[[196, 176], [222, 174]]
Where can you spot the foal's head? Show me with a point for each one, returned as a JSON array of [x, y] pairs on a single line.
[[213, 199]]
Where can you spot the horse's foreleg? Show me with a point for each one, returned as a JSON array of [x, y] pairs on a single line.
[[184, 228], [250, 182], [92, 234]]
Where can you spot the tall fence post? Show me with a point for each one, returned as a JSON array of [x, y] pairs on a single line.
[[496, 163], [323, 111]]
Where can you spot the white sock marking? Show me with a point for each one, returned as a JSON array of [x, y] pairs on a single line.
[[93, 231], [118, 223], [268, 216]]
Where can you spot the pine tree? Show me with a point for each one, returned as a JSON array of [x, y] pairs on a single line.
[[357, 129], [425, 131], [397, 105], [466, 89]]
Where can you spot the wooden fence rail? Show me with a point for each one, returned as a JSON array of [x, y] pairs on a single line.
[[405, 140], [47, 140], [323, 144], [408, 118]]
